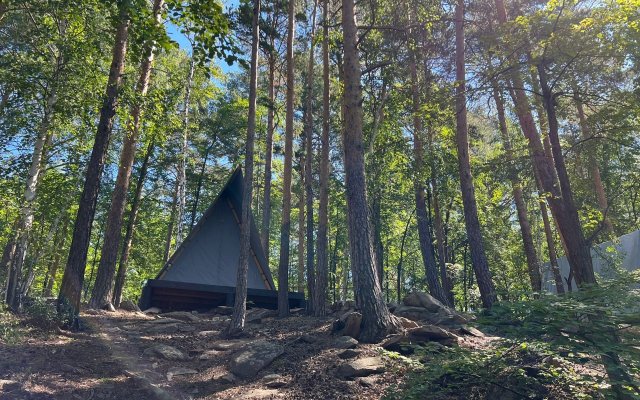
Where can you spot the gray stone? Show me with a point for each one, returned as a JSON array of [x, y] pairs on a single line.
[[207, 333], [470, 330], [182, 316], [166, 352], [345, 342], [256, 315], [175, 371], [258, 394], [308, 339], [225, 345], [424, 300], [225, 377], [129, 305], [361, 367], [274, 381], [253, 357], [152, 310], [413, 313], [349, 353], [367, 381], [407, 323], [209, 355], [427, 333]]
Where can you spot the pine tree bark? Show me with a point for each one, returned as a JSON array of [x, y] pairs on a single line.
[[533, 264], [376, 319], [52, 271], [474, 235], [73, 278], [424, 230], [102, 288], [240, 303], [285, 227], [579, 253], [563, 209], [308, 170], [323, 209], [128, 237], [598, 186], [266, 203], [301, 222]]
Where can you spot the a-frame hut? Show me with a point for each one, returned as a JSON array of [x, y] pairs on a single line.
[[202, 273]]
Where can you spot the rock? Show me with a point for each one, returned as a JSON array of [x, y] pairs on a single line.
[[345, 342], [256, 315], [308, 339], [428, 333], [352, 324], [424, 300], [209, 355], [160, 321], [113, 329], [129, 305], [367, 381], [349, 353], [255, 394], [470, 330], [182, 316], [225, 377], [207, 333], [399, 343], [109, 307], [274, 381], [361, 367], [174, 371], [295, 311], [225, 345], [166, 352], [254, 357], [413, 313], [152, 310], [407, 323], [7, 386], [223, 310]]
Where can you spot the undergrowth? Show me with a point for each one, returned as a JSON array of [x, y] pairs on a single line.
[[580, 345]]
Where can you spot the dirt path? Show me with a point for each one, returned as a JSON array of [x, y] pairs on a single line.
[[111, 359]]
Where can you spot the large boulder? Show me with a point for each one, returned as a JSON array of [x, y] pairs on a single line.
[[352, 322], [345, 342], [424, 300], [427, 333], [166, 352], [254, 357], [361, 367]]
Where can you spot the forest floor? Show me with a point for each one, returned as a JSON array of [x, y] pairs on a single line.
[[112, 357]]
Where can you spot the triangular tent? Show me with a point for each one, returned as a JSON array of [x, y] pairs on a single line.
[[202, 272]]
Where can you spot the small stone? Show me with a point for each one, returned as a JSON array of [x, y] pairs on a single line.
[[470, 330], [308, 339], [175, 371], [166, 352], [209, 355], [225, 377], [109, 307], [274, 381], [207, 333], [367, 381], [349, 353], [345, 342], [255, 394], [361, 367], [152, 310], [227, 345], [112, 329], [256, 315], [223, 310], [296, 311], [129, 305]]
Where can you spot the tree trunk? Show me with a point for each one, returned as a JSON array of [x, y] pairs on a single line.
[[478, 256], [182, 165], [424, 230], [101, 294], [16, 263], [308, 170], [323, 213], [579, 253], [73, 278], [172, 218], [240, 303], [128, 238], [564, 212], [52, 271], [301, 221], [285, 228], [196, 201], [601, 195], [533, 264], [266, 207], [376, 319]]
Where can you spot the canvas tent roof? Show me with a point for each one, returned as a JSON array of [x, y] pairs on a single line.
[[209, 255]]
